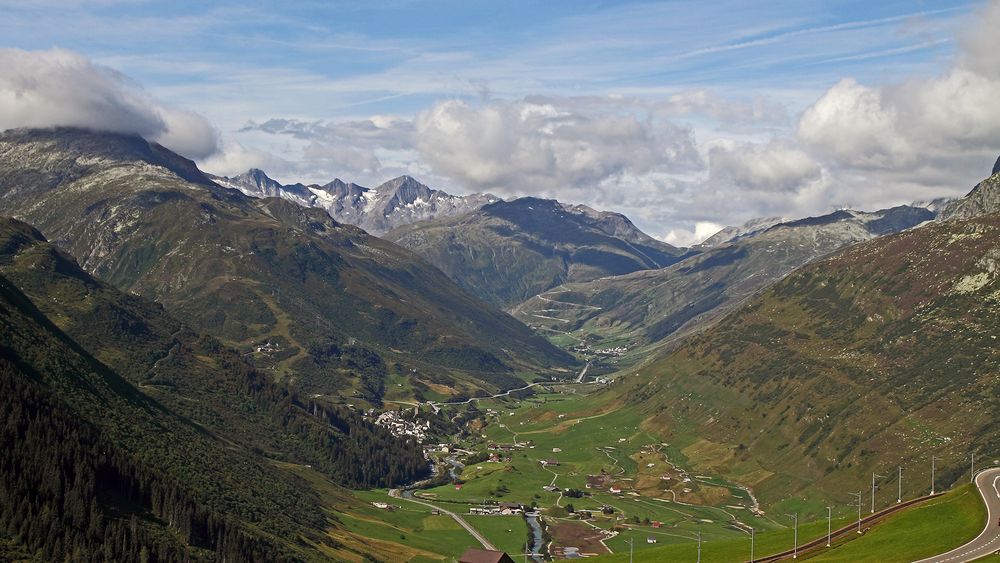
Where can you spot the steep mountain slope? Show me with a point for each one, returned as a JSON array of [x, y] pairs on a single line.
[[649, 306], [875, 357], [983, 199], [509, 251], [302, 294], [398, 202], [91, 469], [173, 364]]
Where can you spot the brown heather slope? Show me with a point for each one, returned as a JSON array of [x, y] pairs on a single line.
[[881, 355]]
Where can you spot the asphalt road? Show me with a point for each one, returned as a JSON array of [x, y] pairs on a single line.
[[987, 542], [461, 521]]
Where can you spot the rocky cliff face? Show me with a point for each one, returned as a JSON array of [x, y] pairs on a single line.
[[983, 199]]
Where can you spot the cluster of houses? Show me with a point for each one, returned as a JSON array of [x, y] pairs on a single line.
[[398, 425], [613, 352], [500, 509]]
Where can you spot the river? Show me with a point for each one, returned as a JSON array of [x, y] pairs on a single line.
[[537, 547], [537, 539]]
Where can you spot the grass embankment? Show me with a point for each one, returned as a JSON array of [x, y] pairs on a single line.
[[924, 530], [918, 532], [507, 533]]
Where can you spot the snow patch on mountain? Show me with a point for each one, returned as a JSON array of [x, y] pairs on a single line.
[[395, 203]]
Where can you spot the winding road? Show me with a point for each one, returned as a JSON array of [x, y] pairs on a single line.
[[989, 540], [395, 493]]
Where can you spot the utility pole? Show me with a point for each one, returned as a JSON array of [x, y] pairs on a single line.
[[751, 545], [899, 485], [699, 547], [858, 495], [933, 468], [973, 467], [829, 524], [795, 542], [874, 476], [630, 543]]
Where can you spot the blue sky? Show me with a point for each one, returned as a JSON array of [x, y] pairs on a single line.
[[357, 89]]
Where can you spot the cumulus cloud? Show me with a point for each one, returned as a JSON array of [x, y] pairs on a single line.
[[772, 167], [940, 122], [61, 88], [854, 125], [507, 146], [682, 237], [235, 158]]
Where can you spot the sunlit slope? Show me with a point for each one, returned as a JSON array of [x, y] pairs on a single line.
[[879, 356]]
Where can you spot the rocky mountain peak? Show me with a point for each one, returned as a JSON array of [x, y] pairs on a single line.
[[62, 153], [341, 189], [984, 199], [404, 188], [257, 177]]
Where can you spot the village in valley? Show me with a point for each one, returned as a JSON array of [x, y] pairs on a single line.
[[562, 476]]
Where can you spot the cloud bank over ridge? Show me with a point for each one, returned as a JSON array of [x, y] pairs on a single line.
[[57, 87]]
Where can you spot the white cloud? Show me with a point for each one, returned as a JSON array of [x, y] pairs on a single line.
[[759, 110], [380, 131], [852, 124], [551, 147], [61, 88], [702, 230], [342, 157], [897, 132], [981, 44], [234, 158], [771, 167]]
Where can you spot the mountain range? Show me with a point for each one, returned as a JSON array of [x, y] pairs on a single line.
[[509, 251], [185, 359], [395, 203], [326, 305], [649, 306]]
